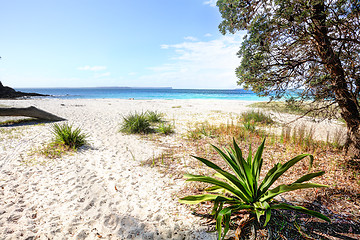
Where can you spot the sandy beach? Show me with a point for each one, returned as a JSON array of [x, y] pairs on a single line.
[[102, 191]]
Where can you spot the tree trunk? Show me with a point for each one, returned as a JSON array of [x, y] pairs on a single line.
[[346, 101], [29, 112]]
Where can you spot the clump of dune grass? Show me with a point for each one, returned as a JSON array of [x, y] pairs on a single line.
[[136, 123], [145, 122], [257, 117], [65, 134], [165, 128], [154, 116]]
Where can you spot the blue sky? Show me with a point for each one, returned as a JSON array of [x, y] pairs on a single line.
[[90, 43]]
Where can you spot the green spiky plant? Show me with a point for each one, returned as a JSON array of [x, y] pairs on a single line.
[[66, 135], [154, 116], [136, 123], [165, 129], [242, 190]]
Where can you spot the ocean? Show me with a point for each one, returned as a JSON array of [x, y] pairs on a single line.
[[146, 93]]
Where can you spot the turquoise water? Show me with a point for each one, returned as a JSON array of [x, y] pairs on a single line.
[[149, 93]]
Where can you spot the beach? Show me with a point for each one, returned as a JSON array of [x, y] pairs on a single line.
[[103, 191]]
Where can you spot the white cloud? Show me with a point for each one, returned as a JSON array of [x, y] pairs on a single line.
[[93, 68], [106, 74], [212, 3], [200, 64], [164, 46], [208, 35], [190, 38]]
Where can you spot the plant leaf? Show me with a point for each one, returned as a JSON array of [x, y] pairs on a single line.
[[195, 199], [222, 184], [240, 185], [279, 170], [287, 188], [300, 209], [309, 176], [226, 213]]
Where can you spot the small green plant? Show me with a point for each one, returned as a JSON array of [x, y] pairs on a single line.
[[154, 116], [136, 123], [250, 126], [66, 135], [257, 117], [165, 128], [242, 190]]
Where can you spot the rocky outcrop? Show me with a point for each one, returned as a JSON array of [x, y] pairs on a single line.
[[8, 92]]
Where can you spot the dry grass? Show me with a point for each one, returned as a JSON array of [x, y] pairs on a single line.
[[340, 202]]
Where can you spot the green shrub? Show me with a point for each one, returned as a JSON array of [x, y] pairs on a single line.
[[257, 117], [154, 116], [242, 190], [136, 123], [250, 126], [165, 128], [65, 134]]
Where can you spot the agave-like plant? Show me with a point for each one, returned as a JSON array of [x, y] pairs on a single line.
[[242, 190]]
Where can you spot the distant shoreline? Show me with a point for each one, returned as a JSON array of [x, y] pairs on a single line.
[[146, 93]]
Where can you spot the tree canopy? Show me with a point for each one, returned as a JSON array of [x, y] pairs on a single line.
[[312, 46]]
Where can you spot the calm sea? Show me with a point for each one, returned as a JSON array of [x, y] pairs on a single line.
[[146, 93]]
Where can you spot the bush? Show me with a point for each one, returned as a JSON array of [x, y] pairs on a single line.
[[242, 190], [165, 128], [154, 116], [136, 123], [64, 134], [257, 117]]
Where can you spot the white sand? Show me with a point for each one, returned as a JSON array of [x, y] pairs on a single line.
[[100, 192]]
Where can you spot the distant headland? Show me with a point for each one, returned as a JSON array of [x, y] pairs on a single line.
[[10, 93]]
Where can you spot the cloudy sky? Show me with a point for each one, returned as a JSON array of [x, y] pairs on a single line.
[[91, 43]]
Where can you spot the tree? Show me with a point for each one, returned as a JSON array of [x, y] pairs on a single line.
[[312, 46]]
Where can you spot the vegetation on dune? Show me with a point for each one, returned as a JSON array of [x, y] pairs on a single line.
[[232, 192], [136, 123], [66, 139], [145, 122], [165, 128], [257, 117], [65, 134], [340, 201], [154, 116]]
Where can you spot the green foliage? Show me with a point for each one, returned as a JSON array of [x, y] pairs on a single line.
[[257, 117], [154, 116], [146, 122], [165, 128], [136, 123], [66, 135], [250, 126], [302, 51], [243, 190]]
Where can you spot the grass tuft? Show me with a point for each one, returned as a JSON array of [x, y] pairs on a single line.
[[165, 128], [136, 123], [154, 116], [257, 117], [65, 134]]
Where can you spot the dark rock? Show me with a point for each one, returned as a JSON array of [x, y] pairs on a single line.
[[8, 92]]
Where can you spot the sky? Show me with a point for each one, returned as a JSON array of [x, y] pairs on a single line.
[[93, 43]]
